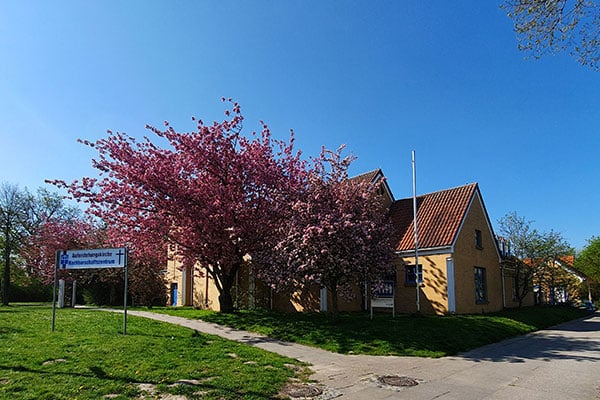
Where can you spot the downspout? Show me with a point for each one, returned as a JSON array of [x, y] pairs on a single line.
[[206, 291], [192, 294]]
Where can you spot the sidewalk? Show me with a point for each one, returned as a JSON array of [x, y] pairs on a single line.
[[558, 363]]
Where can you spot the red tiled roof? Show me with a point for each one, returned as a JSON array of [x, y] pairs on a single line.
[[569, 260], [439, 217]]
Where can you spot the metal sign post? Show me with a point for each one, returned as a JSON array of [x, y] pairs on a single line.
[[54, 290], [125, 296]]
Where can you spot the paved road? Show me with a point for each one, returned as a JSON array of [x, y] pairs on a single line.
[[558, 363]]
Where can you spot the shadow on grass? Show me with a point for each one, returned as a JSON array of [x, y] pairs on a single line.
[[23, 307], [95, 372], [9, 330], [99, 373], [405, 335]]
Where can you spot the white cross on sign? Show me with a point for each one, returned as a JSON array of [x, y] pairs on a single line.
[[120, 254]]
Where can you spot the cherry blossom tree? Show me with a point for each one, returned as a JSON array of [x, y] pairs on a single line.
[[337, 235], [214, 193], [39, 254], [146, 285]]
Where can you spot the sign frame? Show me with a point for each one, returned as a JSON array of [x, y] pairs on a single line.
[[384, 297], [93, 258]]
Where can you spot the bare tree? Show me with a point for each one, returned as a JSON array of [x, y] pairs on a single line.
[[552, 26]]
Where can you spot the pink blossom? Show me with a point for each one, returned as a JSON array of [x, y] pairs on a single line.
[[215, 193]]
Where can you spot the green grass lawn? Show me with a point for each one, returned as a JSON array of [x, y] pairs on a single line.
[[405, 335], [87, 357]]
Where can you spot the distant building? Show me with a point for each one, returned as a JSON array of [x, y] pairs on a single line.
[[558, 282]]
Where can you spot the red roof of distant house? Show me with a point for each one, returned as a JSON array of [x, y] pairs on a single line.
[[569, 260], [439, 217], [565, 262]]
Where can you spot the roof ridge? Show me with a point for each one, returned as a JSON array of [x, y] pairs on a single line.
[[373, 171], [443, 190]]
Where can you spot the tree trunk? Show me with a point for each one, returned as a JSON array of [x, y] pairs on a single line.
[[6, 275], [225, 298], [334, 304], [112, 295], [226, 302]]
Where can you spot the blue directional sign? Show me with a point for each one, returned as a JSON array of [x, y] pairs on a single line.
[[93, 258]]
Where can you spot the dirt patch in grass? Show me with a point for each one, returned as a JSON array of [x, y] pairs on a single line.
[[58, 360]]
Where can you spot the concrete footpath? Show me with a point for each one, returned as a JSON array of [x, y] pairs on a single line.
[[558, 363]]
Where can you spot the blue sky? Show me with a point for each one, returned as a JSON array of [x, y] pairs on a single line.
[[384, 77]]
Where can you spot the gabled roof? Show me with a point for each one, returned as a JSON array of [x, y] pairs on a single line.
[[566, 263], [440, 216], [373, 177], [370, 176]]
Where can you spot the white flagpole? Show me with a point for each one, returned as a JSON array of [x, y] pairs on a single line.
[[414, 176]]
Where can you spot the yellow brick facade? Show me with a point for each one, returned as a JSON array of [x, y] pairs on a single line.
[[467, 256], [448, 279], [460, 260], [190, 287], [433, 293]]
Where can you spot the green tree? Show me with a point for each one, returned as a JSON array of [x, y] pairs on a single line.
[[533, 252], [21, 214], [588, 262], [553, 248], [552, 26]]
